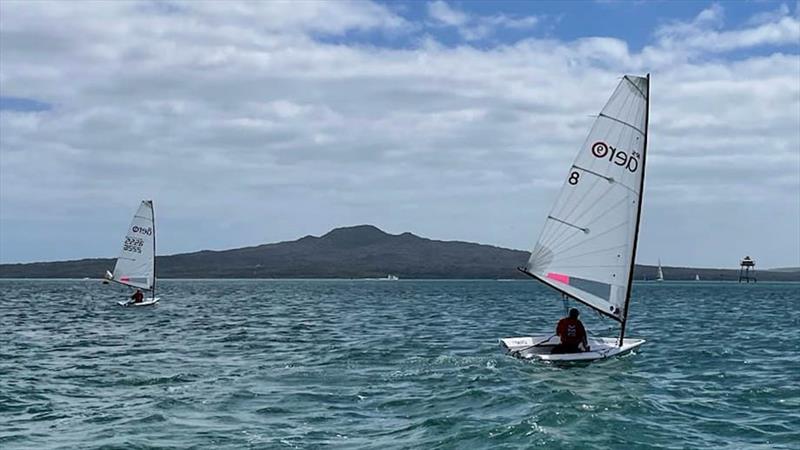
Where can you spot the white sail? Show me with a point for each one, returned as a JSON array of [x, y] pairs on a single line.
[[696, 277], [136, 264], [586, 247], [660, 276]]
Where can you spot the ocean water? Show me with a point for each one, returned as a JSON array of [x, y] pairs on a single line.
[[390, 365]]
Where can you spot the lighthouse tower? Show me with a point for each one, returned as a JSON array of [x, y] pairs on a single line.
[[744, 270]]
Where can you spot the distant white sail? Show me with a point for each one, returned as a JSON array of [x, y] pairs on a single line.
[[586, 247], [660, 276], [136, 263], [696, 277]]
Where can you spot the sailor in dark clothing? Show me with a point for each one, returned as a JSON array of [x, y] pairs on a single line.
[[572, 334], [137, 296]]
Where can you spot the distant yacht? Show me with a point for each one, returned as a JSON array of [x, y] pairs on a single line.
[[390, 277], [660, 276], [696, 277]]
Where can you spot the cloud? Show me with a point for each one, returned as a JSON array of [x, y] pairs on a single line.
[[246, 125], [702, 34], [473, 27], [441, 11]]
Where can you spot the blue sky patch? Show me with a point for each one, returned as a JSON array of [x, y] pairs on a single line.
[[21, 104]]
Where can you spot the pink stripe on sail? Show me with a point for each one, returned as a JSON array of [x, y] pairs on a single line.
[[558, 277]]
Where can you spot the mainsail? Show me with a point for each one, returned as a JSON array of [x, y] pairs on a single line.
[[660, 275], [587, 246], [136, 264]]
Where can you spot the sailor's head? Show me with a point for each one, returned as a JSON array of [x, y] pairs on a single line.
[[574, 313]]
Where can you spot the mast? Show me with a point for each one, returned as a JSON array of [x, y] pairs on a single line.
[[638, 214], [153, 212]]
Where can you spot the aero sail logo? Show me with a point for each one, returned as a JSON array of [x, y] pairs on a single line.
[[618, 157], [142, 230]]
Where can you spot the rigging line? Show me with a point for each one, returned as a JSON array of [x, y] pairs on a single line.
[[553, 211], [555, 245], [607, 210], [567, 245], [609, 179], [629, 103], [558, 234], [562, 209], [555, 232], [585, 230], [562, 258], [628, 99], [622, 122], [563, 204], [639, 90], [614, 228], [558, 239], [559, 207]]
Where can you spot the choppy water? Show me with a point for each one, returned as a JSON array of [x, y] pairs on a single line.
[[408, 364]]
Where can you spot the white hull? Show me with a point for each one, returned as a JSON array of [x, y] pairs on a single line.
[[539, 347], [146, 302]]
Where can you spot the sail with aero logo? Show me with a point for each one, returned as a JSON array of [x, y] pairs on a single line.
[[587, 246], [136, 263]]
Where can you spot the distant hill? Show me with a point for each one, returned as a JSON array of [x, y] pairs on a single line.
[[362, 251], [785, 269]]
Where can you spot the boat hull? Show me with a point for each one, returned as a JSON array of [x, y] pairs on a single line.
[[146, 302], [540, 348]]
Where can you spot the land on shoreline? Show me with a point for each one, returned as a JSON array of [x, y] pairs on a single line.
[[362, 251]]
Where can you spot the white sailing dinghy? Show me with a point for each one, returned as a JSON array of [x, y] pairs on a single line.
[[660, 276], [587, 247], [696, 277], [136, 265]]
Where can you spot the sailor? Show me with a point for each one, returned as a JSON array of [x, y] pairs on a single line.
[[572, 334], [137, 296]]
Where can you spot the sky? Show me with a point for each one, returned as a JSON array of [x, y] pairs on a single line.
[[256, 122]]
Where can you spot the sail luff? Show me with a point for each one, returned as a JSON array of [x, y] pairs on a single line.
[[153, 212], [638, 214]]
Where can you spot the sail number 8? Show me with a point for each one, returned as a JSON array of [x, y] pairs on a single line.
[[574, 177]]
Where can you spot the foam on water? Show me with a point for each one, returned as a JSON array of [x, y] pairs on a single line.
[[408, 364]]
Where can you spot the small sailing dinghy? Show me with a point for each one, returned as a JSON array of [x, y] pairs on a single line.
[[660, 275], [587, 247], [136, 265]]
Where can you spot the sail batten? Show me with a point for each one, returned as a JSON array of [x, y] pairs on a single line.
[[586, 247]]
